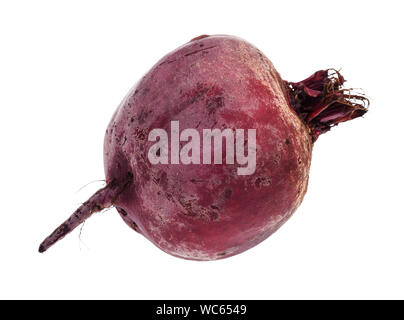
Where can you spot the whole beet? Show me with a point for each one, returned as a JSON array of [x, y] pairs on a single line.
[[207, 212]]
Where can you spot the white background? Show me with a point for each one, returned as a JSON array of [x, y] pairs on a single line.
[[65, 66]]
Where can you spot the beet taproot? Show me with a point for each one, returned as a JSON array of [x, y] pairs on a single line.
[[205, 211]]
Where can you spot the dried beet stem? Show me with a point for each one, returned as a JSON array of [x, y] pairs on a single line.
[[321, 101], [103, 198]]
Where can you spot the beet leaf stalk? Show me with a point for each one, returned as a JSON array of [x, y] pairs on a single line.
[[322, 102], [102, 199]]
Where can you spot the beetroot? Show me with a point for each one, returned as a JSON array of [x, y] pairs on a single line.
[[186, 206]]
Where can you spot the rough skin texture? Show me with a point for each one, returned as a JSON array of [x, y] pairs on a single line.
[[207, 212]]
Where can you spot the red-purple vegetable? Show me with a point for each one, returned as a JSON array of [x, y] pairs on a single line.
[[211, 211]]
